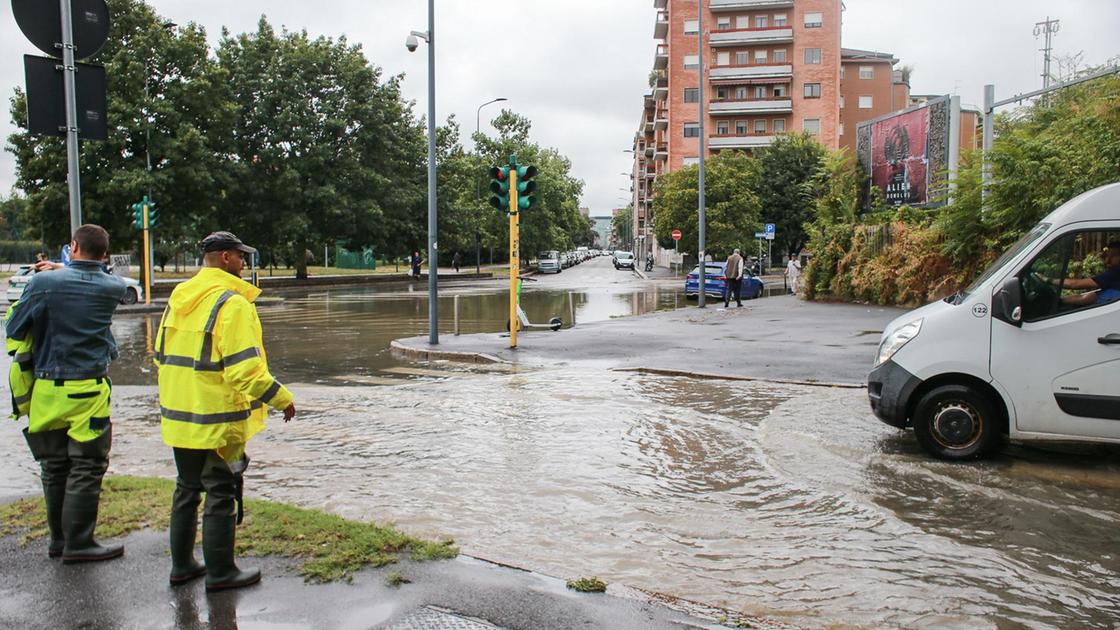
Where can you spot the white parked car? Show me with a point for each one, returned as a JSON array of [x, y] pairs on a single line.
[[1030, 351], [548, 262], [18, 282]]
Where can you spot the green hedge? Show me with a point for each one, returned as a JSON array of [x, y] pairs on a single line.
[[19, 251]]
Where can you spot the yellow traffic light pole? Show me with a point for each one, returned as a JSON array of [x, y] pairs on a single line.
[[147, 267], [514, 257]]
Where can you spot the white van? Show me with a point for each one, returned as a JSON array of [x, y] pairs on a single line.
[[1019, 354]]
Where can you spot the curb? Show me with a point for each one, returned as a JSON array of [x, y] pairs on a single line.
[[419, 354], [723, 377]]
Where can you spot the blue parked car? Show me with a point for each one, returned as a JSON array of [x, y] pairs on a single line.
[[715, 283]]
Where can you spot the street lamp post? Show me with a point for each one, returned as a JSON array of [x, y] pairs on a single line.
[[703, 95], [411, 43], [477, 236]]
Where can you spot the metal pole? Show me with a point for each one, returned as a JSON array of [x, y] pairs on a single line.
[[572, 308], [73, 179], [514, 256], [989, 137], [703, 146], [326, 259], [456, 314], [433, 245]]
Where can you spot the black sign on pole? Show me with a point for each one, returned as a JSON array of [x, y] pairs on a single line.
[[41, 22], [46, 98]]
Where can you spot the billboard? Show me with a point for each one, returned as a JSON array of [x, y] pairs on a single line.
[[906, 153]]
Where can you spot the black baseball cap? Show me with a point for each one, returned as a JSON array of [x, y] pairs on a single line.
[[224, 241]]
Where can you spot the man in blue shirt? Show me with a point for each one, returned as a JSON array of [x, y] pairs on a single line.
[[1103, 287], [66, 313]]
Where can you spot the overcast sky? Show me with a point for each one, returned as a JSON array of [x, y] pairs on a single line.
[[583, 65]]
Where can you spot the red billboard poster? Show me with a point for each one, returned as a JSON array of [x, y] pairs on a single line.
[[900, 157]]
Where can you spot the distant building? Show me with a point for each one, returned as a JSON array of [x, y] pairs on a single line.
[[602, 231], [585, 212], [870, 87]]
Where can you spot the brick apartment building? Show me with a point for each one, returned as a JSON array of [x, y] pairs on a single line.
[[771, 66]]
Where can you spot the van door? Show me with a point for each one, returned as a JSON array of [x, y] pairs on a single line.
[[1059, 369]]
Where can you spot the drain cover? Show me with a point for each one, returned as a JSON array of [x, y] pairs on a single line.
[[431, 618]]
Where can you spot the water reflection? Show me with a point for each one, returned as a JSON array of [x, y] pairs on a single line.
[[315, 337]]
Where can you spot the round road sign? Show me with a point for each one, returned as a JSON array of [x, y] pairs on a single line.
[[41, 22], [676, 235]]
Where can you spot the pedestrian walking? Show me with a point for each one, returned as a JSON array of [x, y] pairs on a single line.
[[734, 274], [60, 332], [415, 261], [214, 386], [793, 274], [456, 260]]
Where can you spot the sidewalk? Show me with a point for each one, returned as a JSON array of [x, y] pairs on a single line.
[[777, 338], [464, 593]]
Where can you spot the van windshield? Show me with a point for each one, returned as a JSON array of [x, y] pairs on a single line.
[[1021, 244]]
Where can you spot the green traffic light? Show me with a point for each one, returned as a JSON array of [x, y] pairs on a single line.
[[526, 202]]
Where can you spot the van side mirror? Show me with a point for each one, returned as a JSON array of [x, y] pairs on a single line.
[[1007, 302]]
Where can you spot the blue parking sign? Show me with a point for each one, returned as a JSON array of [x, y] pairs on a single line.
[[65, 254], [769, 228]]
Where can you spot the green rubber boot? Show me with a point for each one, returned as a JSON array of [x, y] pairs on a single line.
[[49, 448], [88, 463], [217, 549], [184, 527]]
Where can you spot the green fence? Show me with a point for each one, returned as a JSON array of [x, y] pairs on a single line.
[[346, 259]]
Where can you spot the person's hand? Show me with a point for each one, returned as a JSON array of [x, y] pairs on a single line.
[[46, 265], [290, 412]]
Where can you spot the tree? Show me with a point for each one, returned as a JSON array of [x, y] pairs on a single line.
[[732, 180], [787, 169]]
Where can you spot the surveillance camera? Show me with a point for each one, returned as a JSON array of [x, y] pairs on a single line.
[[411, 43]]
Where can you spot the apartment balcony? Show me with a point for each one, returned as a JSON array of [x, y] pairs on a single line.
[[647, 126], [662, 122], [661, 26], [741, 5], [660, 4], [661, 57], [750, 73], [771, 106], [739, 142], [661, 90], [749, 36], [648, 151], [662, 152]]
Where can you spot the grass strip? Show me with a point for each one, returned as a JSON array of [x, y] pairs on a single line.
[[328, 547], [588, 585]]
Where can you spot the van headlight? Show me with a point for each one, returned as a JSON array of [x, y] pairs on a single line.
[[897, 338]]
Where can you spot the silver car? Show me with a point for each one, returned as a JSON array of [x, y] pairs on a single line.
[[548, 262]]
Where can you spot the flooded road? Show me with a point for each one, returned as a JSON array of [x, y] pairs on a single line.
[[785, 501]]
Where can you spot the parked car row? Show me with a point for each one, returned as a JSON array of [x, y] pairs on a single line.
[[18, 282], [553, 261]]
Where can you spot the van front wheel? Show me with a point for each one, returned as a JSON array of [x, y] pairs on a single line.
[[956, 422]]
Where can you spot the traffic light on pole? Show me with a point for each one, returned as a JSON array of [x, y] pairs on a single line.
[[526, 187], [499, 185], [153, 215], [138, 216]]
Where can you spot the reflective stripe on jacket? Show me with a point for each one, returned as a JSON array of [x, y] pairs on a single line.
[[214, 383], [21, 373]]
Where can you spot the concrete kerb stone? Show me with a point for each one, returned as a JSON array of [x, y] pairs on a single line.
[[425, 354], [728, 377]]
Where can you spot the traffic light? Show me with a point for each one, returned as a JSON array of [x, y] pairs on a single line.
[[153, 214], [526, 187], [138, 215], [499, 185]]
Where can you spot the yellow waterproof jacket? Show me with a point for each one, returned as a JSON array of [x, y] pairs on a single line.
[[21, 374], [214, 382]]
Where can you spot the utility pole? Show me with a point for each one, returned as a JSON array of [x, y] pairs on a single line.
[[703, 145], [1047, 28]]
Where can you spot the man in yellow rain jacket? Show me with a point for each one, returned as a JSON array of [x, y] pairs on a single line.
[[214, 392]]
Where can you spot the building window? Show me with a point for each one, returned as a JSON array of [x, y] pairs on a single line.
[[742, 21], [692, 95], [760, 21], [841, 72], [760, 91], [779, 125], [742, 58], [689, 161], [691, 27], [740, 127], [721, 128], [841, 128], [813, 55], [812, 90], [741, 93], [780, 19], [780, 55], [760, 125], [814, 20], [865, 102], [723, 59], [692, 130], [723, 23], [780, 91], [812, 126], [691, 62], [721, 93], [867, 72], [760, 56], [841, 101]]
